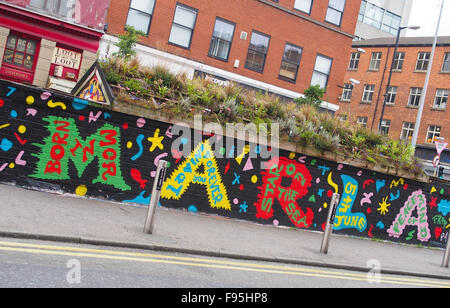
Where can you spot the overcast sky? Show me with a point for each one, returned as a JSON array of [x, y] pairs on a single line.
[[425, 13]]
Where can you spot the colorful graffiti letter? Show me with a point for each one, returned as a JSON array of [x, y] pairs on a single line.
[[275, 187], [345, 219], [64, 143], [403, 219], [186, 173]]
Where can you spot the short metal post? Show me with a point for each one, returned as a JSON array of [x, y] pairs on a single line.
[[445, 262], [330, 222], [156, 194]]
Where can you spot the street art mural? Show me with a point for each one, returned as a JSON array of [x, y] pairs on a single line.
[[61, 144]]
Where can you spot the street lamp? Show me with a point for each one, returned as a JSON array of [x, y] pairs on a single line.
[[412, 27], [425, 87]]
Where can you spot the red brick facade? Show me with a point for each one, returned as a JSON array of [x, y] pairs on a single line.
[[277, 19], [404, 79]]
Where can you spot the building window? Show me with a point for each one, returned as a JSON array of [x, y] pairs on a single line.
[[354, 61], [303, 5], [374, 16], [321, 72], [390, 95], [369, 89], [347, 92], [391, 23], [20, 51], [65, 8], [221, 39], [414, 97], [362, 121], [407, 131], [440, 101], [399, 58], [257, 52], [375, 61], [362, 10], [291, 62], [140, 15], [433, 133], [446, 64], [385, 125], [422, 61], [183, 26], [335, 11]]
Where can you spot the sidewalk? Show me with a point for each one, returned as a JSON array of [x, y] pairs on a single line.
[[38, 215]]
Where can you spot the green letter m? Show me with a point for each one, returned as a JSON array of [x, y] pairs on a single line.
[[64, 143]]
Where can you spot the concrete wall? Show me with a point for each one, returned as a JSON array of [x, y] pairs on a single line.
[[58, 143]]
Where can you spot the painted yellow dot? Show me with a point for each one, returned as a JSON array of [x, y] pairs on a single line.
[[254, 179], [81, 190], [30, 100], [12, 165], [22, 129], [325, 205], [129, 144], [292, 155]]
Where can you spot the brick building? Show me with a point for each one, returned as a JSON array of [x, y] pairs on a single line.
[[364, 102], [277, 46], [49, 43]]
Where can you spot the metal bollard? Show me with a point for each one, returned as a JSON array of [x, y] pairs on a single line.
[[445, 262], [156, 194], [330, 222]]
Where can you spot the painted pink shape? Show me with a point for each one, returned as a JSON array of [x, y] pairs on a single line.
[[45, 95], [3, 167], [32, 112], [248, 165], [19, 160], [140, 122]]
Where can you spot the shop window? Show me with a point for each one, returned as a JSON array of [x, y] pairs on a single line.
[[20, 52]]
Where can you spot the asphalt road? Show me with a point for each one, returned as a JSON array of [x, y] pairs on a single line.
[[29, 264]]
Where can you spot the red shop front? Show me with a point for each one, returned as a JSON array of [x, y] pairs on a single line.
[[38, 45]]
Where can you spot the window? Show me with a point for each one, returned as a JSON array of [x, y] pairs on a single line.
[[64, 8], [362, 10], [321, 72], [385, 125], [446, 64], [433, 133], [183, 26], [221, 39], [375, 61], [354, 61], [374, 16], [362, 121], [369, 89], [440, 102], [347, 92], [20, 51], [399, 58], [391, 23], [140, 14], [407, 131], [422, 61], [303, 5], [291, 62], [335, 11], [257, 52], [390, 95], [414, 97]]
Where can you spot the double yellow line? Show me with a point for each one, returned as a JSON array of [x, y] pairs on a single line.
[[76, 252]]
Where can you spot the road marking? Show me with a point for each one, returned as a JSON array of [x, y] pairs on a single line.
[[209, 263]]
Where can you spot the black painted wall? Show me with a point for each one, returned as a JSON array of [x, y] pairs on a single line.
[[59, 143]]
